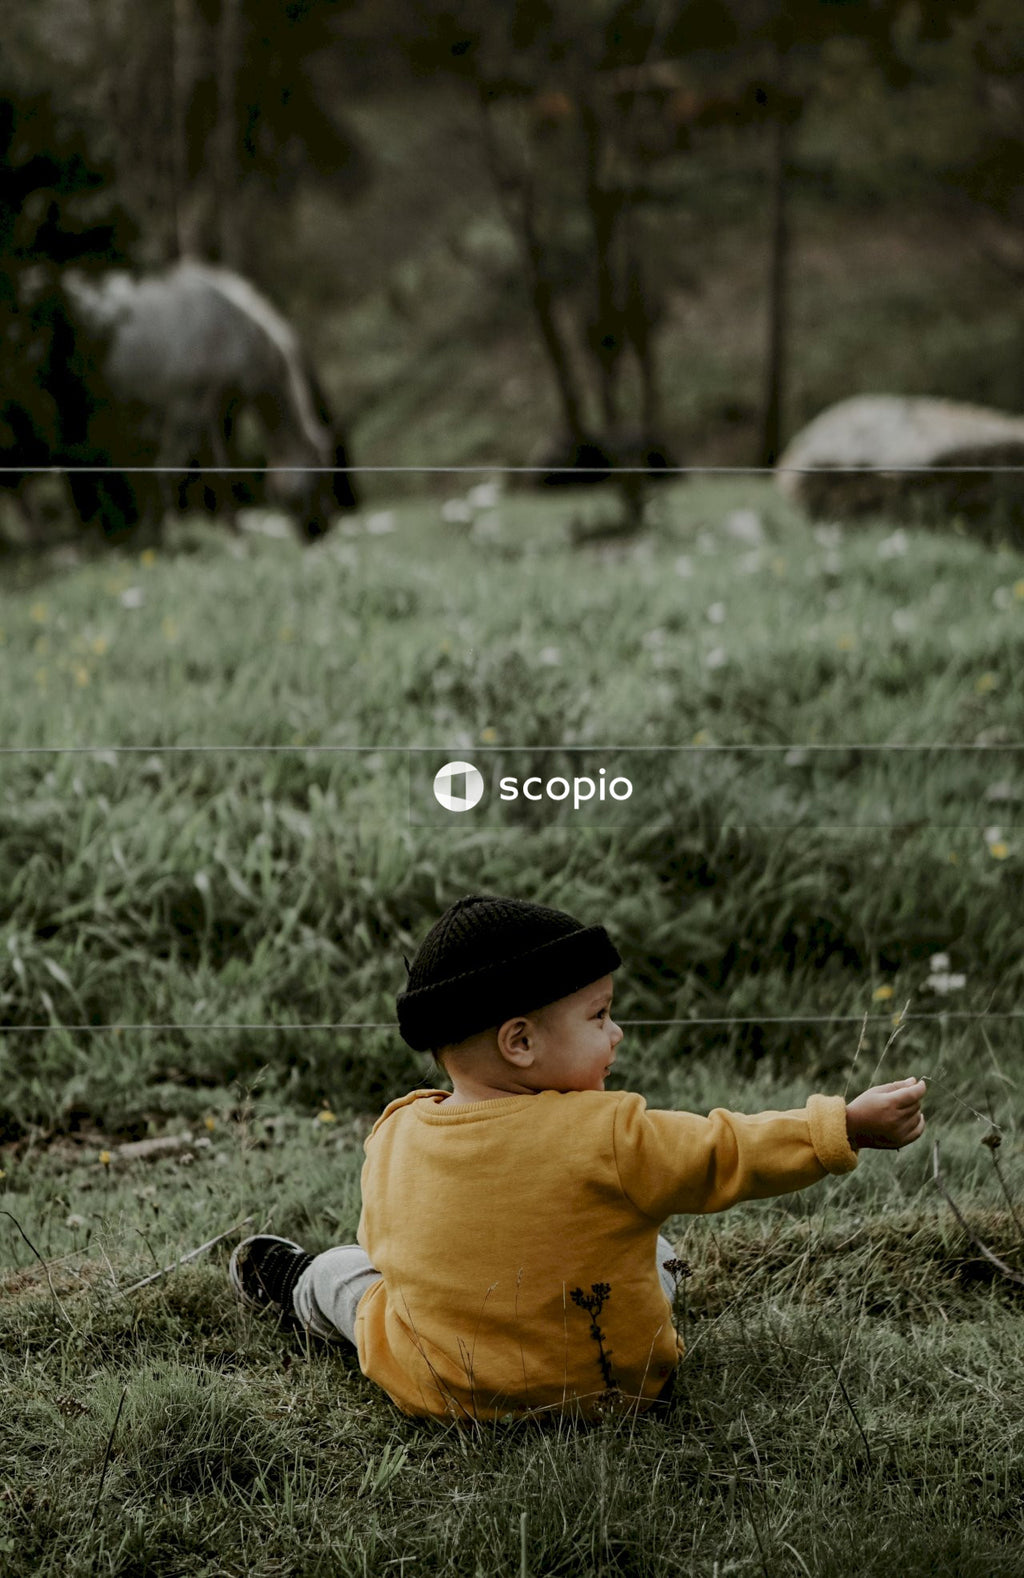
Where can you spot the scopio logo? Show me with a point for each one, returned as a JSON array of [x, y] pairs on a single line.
[[458, 786]]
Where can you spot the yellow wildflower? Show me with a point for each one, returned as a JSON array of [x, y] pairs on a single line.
[[999, 850], [99, 645], [39, 613], [986, 682], [1018, 590], [210, 1123], [104, 1158], [488, 735], [701, 737], [81, 675], [325, 1115], [147, 557], [881, 994], [846, 642]]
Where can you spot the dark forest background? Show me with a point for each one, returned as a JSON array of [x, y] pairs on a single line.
[[500, 228]]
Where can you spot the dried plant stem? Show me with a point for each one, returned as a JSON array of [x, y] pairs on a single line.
[[106, 1456], [1000, 1265], [900, 1024], [184, 1259], [42, 1262], [856, 1055], [1006, 1191]]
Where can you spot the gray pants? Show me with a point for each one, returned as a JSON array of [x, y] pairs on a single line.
[[328, 1291]]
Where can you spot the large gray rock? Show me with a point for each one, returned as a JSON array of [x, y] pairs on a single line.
[[870, 433]]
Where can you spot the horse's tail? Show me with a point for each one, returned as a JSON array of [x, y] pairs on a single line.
[[342, 485], [302, 401]]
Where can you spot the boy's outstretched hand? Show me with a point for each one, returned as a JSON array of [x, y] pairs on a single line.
[[887, 1117]]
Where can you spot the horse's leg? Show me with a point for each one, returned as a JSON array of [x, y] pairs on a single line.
[[218, 428]]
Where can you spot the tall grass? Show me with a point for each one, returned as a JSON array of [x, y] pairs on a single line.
[[847, 1403], [209, 885]]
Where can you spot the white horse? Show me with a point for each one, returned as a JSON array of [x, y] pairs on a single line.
[[192, 353]]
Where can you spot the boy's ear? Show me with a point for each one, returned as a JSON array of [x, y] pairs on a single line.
[[515, 1042]]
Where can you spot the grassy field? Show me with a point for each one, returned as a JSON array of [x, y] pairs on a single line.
[[848, 1400]]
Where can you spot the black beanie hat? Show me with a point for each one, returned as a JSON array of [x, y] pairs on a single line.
[[489, 958]]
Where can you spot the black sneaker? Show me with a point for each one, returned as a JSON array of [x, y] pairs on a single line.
[[264, 1270]]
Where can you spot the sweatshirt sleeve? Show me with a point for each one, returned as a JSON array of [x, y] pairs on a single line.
[[678, 1162]]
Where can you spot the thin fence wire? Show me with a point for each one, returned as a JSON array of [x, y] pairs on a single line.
[[576, 746], [489, 469], [626, 1024]]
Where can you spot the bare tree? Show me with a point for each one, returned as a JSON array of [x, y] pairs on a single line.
[[226, 160]]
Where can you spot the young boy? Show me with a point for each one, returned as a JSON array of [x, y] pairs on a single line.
[[508, 1257]]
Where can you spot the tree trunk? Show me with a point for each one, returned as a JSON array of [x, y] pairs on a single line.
[[184, 45], [604, 336], [543, 301], [771, 433], [229, 65], [642, 315], [521, 218]]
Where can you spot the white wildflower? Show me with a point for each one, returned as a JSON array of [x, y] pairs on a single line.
[[943, 983], [265, 523], [829, 536], [744, 526], [484, 496], [892, 547]]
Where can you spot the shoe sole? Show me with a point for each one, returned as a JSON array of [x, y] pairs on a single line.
[[235, 1264]]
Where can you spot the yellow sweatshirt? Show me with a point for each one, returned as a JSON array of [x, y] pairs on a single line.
[[484, 1218]]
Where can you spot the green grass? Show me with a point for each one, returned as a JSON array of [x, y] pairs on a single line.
[[847, 1403]]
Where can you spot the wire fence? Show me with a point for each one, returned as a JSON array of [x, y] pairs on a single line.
[[478, 468], [626, 1024]]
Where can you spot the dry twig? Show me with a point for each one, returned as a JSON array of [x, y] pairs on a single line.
[[192, 1255], [45, 1266], [1000, 1265]]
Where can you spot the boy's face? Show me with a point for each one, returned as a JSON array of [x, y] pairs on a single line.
[[572, 1042]]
